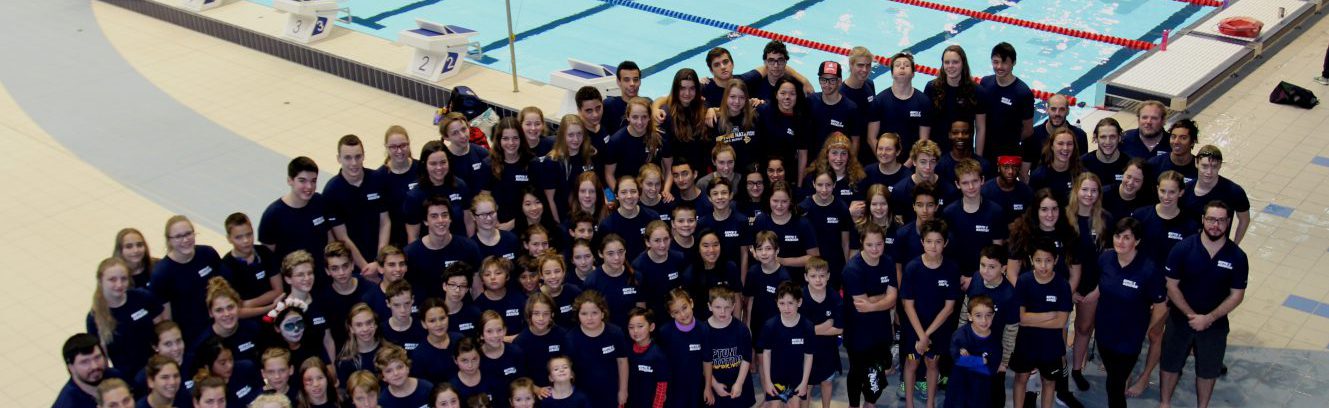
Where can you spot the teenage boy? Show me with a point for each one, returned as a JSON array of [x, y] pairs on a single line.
[[300, 218], [628, 76], [685, 185], [775, 61], [831, 112], [1209, 186], [255, 270], [1147, 141], [356, 198], [974, 222], [900, 109], [86, 364], [438, 249], [590, 108], [1010, 117]]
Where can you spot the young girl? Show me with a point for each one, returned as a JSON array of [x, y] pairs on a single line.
[[401, 326], [729, 347], [786, 344], [842, 165], [317, 390], [571, 157], [830, 212], [133, 250], [542, 339], [1091, 224], [870, 286], [583, 263], [763, 280], [562, 393], [1043, 221], [491, 240], [737, 125], [781, 124], [588, 198], [210, 393], [888, 171], [253, 268], [362, 386], [437, 180], [1060, 165], [614, 280], [362, 344], [711, 271], [730, 225], [181, 279], [684, 125], [822, 308], [722, 160], [636, 144], [497, 297], [469, 380], [510, 169], [977, 353], [552, 275], [522, 393], [648, 374], [660, 269], [115, 393], [600, 351], [753, 200], [444, 396], [122, 318], [775, 169], [652, 196], [277, 370], [796, 239], [402, 389], [500, 361], [682, 340], [1045, 305], [930, 287], [242, 379], [535, 131], [629, 219], [163, 377], [223, 307], [434, 355], [167, 342]]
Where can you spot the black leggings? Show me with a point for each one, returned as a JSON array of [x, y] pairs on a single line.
[[1119, 368], [859, 361]]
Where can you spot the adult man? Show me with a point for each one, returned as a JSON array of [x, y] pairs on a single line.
[[1058, 108], [628, 76], [1147, 141], [1206, 280], [1182, 138], [87, 368], [1209, 186], [831, 112], [900, 109], [1010, 107]]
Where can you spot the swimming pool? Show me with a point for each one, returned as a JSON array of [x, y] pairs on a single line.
[[550, 31]]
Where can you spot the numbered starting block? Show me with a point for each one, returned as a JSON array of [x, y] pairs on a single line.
[[582, 73], [309, 20], [200, 5], [439, 49]]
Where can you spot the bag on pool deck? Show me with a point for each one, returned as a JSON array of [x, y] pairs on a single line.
[[1289, 94], [482, 117]]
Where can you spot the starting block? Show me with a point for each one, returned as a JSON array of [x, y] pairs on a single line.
[[439, 49], [200, 5], [582, 73], [309, 20]]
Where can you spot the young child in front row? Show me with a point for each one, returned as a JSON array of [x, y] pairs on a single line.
[[563, 394], [728, 355], [930, 287], [1045, 304], [402, 390], [648, 368], [977, 353], [822, 308], [786, 345], [522, 393], [993, 284]]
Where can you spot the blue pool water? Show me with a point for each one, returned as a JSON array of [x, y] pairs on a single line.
[[550, 31]]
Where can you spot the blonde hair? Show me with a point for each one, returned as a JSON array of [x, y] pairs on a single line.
[[927, 147], [1097, 220], [101, 311], [853, 169], [653, 140], [561, 149], [860, 52], [350, 350], [219, 288], [148, 261], [268, 398]]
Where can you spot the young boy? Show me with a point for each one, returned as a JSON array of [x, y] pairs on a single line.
[[400, 326], [402, 390], [822, 308], [277, 372], [974, 222], [993, 284], [344, 291], [930, 287], [628, 77], [300, 218], [355, 197], [762, 281], [463, 317], [786, 344], [254, 268], [729, 346], [1045, 304], [509, 303], [977, 353]]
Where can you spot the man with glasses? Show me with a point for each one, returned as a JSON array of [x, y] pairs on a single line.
[[775, 65], [831, 112], [1206, 281], [1210, 186], [356, 197]]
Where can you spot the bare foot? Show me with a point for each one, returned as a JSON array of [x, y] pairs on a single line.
[[1137, 388]]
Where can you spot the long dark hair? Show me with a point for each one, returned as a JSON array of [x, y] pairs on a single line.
[[968, 91], [685, 122], [1023, 229], [431, 147]]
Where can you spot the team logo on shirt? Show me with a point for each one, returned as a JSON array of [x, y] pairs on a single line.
[[448, 263], [410, 346], [466, 326], [731, 234], [138, 315], [770, 289], [454, 197], [1051, 298], [1017, 207], [1006, 101], [981, 228], [243, 347], [796, 341], [318, 321], [915, 114], [261, 274], [1130, 284], [553, 348], [606, 349], [510, 371], [521, 177], [205, 271], [565, 309], [871, 97], [629, 291], [694, 347], [642, 230], [645, 368], [509, 256], [371, 196], [241, 393], [942, 283], [885, 279], [318, 221], [889, 241], [828, 313], [789, 238], [411, 186], [512, 313], [606, 139], [1225, 265], [673, 275], [789, 131], [837, 123], [1174, 236], [832, 220], [475, 166]]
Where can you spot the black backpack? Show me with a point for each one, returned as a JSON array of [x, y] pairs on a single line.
[[1289, 94]]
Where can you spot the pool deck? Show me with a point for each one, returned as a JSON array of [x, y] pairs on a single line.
[[174, 121]]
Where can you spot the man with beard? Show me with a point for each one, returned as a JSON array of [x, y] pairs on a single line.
[[87, 368], [1058, 108], [1206, 280], [1149, 139]]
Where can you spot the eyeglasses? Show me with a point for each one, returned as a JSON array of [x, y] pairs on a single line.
[[486, 215], [777, 61], [454, 286], [180, 236], [1215, 220], [829, 80], [403, 146]]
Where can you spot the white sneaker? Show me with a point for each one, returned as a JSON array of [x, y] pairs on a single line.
[[1321, 80]]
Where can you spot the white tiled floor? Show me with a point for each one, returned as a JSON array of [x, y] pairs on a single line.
[[60, 214]]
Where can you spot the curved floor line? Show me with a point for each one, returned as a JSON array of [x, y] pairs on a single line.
[[94, 103]]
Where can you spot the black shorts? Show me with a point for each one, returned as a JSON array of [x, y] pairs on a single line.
[[1049, 370], [1209, 346]]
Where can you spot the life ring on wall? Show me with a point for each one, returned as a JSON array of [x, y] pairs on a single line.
[[1241, 27]]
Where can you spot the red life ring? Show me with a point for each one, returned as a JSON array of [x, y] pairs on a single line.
[[1241, 27]]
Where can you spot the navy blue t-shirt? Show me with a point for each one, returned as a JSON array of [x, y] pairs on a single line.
[[954, 106], [1012, 202], [863, 331], [1006, 306], [243, 343], [788, 346], [619, 293], [645, 369], [972, 231], [796, 237], [183, 286], [576, 400], [465, 320], [1160, 164], [902, 197], [1206, 281], [657, 279], [1038, 344], [1113, 203], [458, 193], [876, 176], [825, 349], [290, 229], [395, 187], [615, 114], [930, 289], [749, 143], [733, 233], [563, 313], [908, 244], [131, 342], [419, 398], [713, 94], [760, 290], [686, 351], [433, 363], [1033, 146], [508, 366], [902, 117], [726, 349], [759, 86], [510, 306], [1060, 182], [831, 221], [1132, 145], [844, 117], [560, 176], [539, 349], [471, 167], [426, 265], [487, 386], [629, 153], [409, 339], [782, 133], [507, 188], [725, 274], [1109, 174], [358, 208], [1159, 234], [1126, 293], [252, 280], [330, 309], [1224, 190], [946, 168], [862, 96], [596, 363], [1007, 109], [632, 230]]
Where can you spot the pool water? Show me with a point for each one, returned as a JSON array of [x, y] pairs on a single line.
[[550, 31]]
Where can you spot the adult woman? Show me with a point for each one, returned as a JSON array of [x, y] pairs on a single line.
[[438, 180], [955, 96], [1042, 221], [736, 125], [797, 239], [133, 251], [1163, 224], [1132, 296], [1060, 165], [1106, 162], [181, 279], [783, 124], [510, 169], [1131, 192], [122, 318], [400, 173], [684, 127], [563, 166], [636, 144], [1090, 225], [730, 224]]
